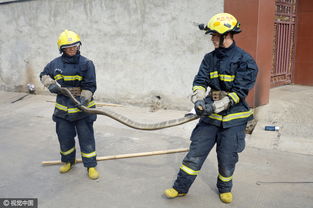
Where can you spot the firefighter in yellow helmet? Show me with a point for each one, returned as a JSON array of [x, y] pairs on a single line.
[[219, 88], [77, 73]]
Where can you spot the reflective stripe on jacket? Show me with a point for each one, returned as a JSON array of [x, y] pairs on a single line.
[[231, 70]]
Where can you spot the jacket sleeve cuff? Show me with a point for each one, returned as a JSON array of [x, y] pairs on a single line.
[[194, 88], [234, 97]]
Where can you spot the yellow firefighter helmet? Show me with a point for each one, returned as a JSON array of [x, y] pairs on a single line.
[[223, 23], [68, 39]]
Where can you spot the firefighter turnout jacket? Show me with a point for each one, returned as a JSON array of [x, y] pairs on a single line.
[[71, 72], [231, 70]]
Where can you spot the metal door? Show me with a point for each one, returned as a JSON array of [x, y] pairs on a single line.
[[284, 42]]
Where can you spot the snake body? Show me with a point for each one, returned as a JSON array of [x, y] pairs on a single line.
[[128, 122]]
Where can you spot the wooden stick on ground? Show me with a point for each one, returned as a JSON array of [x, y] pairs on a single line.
[[113, 157]]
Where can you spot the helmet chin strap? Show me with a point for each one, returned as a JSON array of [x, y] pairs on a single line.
[[221, 43]]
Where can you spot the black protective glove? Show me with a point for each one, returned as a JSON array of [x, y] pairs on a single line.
[[208, 110], [54, 88], [203, 109], [199, 107]]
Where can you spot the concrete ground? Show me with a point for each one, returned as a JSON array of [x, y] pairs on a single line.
[[28, 138]]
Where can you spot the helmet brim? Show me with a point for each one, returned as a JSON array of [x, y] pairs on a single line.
[[78, 43]]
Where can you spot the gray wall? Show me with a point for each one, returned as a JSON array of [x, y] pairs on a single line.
[[141, 48]]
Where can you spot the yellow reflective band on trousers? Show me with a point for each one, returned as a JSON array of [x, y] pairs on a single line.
[[225, 179], [232, 116], [222, 77], [189, 170], [198, 88], [234, 96], [72, 110], [68, 78], [68, 151], [89, 155]]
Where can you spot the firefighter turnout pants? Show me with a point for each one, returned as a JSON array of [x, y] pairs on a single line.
[[229, 142], [67, 130]]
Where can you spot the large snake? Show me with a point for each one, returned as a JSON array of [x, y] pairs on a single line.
[[126, 121]]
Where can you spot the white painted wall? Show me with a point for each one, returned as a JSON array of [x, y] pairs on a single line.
[[141, 48]]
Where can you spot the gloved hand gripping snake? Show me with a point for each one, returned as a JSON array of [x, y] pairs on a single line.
[[126, 121]]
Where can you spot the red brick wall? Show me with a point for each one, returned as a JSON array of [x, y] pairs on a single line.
[[303, 72], [257, 24]]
